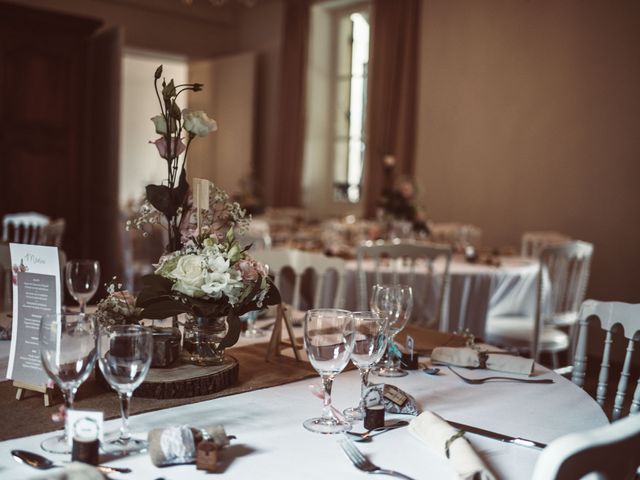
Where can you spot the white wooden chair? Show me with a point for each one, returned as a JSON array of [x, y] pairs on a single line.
[[561, 286], [52, 233], [609, 314], [611, 452], [402, 256], [534, 242], [299, 262], [23, 227]]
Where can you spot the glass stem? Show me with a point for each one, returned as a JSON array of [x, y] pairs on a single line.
[[251, 324], [327, 383], [68, 405], [83, 306], [125, 400], [364, 377], [394, 360]]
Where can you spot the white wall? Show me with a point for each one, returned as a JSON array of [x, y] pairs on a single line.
[[140, 163]]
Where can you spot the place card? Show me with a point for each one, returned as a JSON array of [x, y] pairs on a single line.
[[84, 424], [36, 292]]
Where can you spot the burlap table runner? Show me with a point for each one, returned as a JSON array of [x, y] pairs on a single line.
[[30, 417]]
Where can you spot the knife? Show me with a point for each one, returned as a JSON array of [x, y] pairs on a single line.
[[497, 436]]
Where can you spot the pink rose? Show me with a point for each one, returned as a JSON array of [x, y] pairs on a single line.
[[161, 145], [250, 269]]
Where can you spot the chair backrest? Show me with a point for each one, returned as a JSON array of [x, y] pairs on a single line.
[[23, 227], [611, 452], [51, 233], [534, 242], [404, 256], [299, 262], [566, 268], [609, 314]]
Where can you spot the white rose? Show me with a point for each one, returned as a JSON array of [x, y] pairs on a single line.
[[215, 284], [198, 123], [217, 263], [189, 275]]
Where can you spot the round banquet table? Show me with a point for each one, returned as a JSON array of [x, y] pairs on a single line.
[[272, 443], [476, 291]]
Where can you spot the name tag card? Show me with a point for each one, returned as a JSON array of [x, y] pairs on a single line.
[[36, 292]]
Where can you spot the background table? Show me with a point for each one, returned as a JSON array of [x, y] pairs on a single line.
[[476, 290]]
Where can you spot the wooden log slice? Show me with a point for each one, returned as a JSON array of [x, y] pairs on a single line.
[[186, 380]]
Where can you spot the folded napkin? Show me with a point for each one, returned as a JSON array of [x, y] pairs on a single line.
[[469, 357], [450, 443]]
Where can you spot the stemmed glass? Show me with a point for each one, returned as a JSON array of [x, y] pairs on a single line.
[[369, 345], [124, 356], [395, 302], [83, 277], [328, 341], [252, 331], [68, 354]]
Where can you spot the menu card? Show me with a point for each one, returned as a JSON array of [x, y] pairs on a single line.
[[36, 292]]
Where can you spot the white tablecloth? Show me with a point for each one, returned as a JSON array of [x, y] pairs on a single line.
[[272, 444], [476, 290]]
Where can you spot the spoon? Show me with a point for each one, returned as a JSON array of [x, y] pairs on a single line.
[[38, 461], [366, 436]]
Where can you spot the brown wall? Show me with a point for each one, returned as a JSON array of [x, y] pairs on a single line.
[[529, 119]]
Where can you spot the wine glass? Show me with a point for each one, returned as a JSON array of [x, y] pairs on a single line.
[[370, 343], [83, 277], [396, 302], [252, 331], [68, 354], [328, 341], [124, 356]]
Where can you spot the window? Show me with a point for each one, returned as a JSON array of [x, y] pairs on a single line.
[[350, 89]]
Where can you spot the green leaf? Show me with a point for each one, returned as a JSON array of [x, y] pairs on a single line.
[[169, 90], [160, 197], [233, 334], [273, 295], [164, 308], [175, 112]]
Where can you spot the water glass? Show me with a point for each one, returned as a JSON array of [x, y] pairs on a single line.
[[370, 342], [68, 353], [83, 278], [251, 330], [395, 302], [328, 341], [124, 354]]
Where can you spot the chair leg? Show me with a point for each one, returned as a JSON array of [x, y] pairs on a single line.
[[554, 360]]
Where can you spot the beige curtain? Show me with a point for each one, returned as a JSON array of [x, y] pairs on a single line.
[[392, 97], [288, 171]]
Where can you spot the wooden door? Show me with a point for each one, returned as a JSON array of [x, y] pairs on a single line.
[[57, 96]]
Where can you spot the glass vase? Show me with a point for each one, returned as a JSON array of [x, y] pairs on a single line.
[[202, 338]]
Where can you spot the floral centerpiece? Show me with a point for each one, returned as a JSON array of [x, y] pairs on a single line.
[[397, 202], [205, 272]]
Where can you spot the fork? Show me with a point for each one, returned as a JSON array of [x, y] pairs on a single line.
[[362, 463], [477, 381]]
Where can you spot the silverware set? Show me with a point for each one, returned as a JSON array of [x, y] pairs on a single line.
[[477, 381], [364, 464]]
